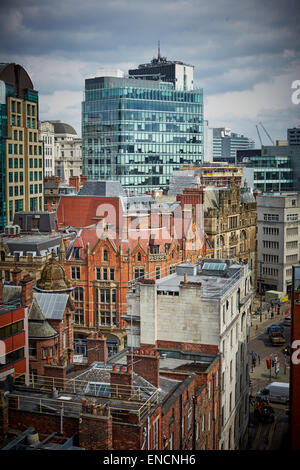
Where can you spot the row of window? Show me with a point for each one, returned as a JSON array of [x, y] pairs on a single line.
[[270, 231], [11, 329], [270, 271], [14, 356], [16, 191], [270, 244], [271, 258]]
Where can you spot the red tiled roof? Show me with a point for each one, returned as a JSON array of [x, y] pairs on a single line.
[[82, 211]]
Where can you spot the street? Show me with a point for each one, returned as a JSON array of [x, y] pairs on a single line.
[[268, 436]]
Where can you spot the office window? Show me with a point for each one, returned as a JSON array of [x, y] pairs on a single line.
[[157, 273]]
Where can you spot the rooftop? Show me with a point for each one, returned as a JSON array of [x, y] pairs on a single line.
[[215, 277]]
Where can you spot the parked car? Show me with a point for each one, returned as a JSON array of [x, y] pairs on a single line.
[[277, 338], [287, 320], [275, 392]]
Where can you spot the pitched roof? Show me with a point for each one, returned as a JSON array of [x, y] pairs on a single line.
[[52, 305], [83, 211], [38, 326], [102, 188]]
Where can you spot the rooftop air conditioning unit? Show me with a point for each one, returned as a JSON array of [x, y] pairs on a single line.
[[12, 230]]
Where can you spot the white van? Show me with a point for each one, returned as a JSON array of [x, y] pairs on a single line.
[[277, 392]]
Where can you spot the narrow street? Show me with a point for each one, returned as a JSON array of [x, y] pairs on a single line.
[[268, 436]]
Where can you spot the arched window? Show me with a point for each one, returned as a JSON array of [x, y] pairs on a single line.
[[139, 256], [105, 255]]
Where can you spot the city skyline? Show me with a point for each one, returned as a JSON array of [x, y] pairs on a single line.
[[245, 55]]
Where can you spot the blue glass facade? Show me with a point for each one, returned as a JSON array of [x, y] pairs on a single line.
[[139, 131]]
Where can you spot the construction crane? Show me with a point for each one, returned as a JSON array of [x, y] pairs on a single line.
[[259, 135], [266, 133]]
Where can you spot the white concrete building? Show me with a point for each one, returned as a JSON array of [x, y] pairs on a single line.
[[66, 149], [278, 243], [203, 307], [208, 149], [46, 134]]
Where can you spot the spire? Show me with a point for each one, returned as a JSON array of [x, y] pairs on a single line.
[[158, 55]]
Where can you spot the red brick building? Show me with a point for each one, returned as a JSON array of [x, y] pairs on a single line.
[[153, 401], [294, 412], [48, 336], [119, 240], [13, 341]]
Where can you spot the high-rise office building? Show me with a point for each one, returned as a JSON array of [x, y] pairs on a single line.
[[21, 153], [274, 168], [293, 136], [139, 131], [226, 144]]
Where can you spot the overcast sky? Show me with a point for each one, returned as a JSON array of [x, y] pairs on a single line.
[[246, 53]]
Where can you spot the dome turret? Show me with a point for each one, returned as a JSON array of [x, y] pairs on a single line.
[[53, 276]]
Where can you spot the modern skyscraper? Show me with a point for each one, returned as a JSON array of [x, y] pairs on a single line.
[[21, 153], [293, 136], [226, 144], [139, 131]]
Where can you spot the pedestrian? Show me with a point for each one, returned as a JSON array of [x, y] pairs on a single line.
[[254, 361]]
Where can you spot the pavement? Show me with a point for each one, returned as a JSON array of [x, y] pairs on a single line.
[[259, 324]]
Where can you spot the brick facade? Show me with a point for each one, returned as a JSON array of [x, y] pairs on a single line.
[[118, 247]]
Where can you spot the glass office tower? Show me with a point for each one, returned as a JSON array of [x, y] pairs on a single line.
[[139, 131]]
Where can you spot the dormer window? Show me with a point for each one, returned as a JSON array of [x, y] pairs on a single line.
[[76, 253], [105, 255]]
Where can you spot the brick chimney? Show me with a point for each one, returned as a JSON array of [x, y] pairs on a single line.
[[26, 291], [96, 348], [74, 181], [146, 364], [95, 428], [121, 381], [16, 275]]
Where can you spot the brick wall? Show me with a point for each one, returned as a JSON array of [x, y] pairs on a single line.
[[96, 349], [146, 364], [121, 381], [43, 423], [95, 431]]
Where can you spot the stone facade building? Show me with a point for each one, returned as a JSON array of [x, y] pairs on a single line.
[[63, 145], [278, 245], [29, 243], [230, 224]]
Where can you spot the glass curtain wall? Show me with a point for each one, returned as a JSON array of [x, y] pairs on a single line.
[[139, 132]]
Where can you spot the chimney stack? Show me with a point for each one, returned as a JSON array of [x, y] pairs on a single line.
[[146, 364], [16, 275], [26, 291]]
